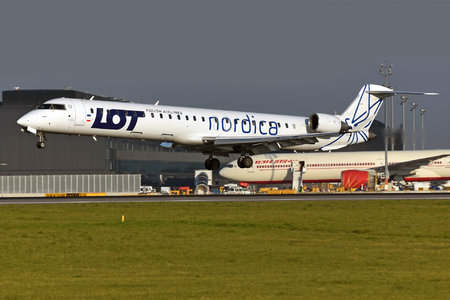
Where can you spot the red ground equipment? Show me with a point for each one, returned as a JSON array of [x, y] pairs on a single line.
[[355, 179]]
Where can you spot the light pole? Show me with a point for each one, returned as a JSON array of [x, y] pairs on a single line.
[[413, 109], [391, 130], [422, 114], [386, 70], [402, 103]]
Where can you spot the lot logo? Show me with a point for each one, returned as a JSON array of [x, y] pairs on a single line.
[[117, 118]]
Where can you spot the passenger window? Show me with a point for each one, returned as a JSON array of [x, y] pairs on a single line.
[[187, 118], [203, 119], [195, 118], [161, 116], [92, 110], [179, 117], [287, 126], [170, 116]]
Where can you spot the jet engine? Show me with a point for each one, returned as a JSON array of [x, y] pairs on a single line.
[[327, 123]]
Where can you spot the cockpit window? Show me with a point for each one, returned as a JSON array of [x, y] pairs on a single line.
[[52, 106], [229, 165]]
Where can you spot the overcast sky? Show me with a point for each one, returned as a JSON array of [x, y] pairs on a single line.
[[288, 57]]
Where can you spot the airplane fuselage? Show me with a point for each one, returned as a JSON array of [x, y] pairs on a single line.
[[212, 132], [179, 125], [327, 167]]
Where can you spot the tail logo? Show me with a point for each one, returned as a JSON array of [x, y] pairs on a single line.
[[366, 109]]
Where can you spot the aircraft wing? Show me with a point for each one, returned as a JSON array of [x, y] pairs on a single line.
[[406, 168], [257, 145], [271, 143], [250, 140]]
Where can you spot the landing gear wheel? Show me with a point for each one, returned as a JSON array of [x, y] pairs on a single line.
[[212, 164], [40, 145], [245, 162]]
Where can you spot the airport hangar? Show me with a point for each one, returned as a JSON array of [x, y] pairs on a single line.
[[66, 155]]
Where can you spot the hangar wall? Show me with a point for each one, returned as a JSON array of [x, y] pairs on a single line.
[[110, 184]]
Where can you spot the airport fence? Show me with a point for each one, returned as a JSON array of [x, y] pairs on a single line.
[[77, 183]]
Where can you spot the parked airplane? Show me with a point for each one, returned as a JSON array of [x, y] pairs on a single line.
[[408, 166], [213, 132]]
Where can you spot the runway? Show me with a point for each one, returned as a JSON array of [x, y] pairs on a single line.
[[234, 198]]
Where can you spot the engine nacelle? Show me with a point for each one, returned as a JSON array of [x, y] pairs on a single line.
[[327, 123]]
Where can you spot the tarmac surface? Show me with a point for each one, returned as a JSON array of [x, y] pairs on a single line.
[[362, 196]]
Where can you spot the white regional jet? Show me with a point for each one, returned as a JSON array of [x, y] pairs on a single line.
[[213, 132], [408, 166]]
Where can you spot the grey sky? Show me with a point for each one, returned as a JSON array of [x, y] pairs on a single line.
[[294, 57]]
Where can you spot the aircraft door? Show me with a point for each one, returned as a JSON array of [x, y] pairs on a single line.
[[80, 112]]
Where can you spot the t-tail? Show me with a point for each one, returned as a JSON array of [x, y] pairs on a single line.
[[360, 114]]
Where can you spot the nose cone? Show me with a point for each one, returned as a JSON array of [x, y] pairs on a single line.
[[223, 172], [226, 172], [24, 121], [27, 122]]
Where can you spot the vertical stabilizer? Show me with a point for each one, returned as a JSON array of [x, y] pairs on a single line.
[[363, 110]]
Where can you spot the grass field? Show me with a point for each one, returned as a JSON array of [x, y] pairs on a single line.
[[265, 250]]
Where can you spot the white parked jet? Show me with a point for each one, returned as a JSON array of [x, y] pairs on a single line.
[[408, 166], [213, 132]]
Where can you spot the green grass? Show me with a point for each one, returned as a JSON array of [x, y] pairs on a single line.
[[266, 250]]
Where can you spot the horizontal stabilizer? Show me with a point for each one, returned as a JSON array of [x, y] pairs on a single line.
[[388, 93]]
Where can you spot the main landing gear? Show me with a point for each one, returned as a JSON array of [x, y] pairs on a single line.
[[42, 140], [243, 162], [212, 163]]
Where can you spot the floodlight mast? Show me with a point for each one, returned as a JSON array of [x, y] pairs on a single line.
[[386, 70], [402, 103], [422, 114], [413, 109]]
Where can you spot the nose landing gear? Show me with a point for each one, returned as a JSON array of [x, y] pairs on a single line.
[[42, 140]]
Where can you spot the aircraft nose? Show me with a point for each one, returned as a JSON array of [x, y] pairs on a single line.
[[28, 122], [226, 172], [23, 121], [222, 172]]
